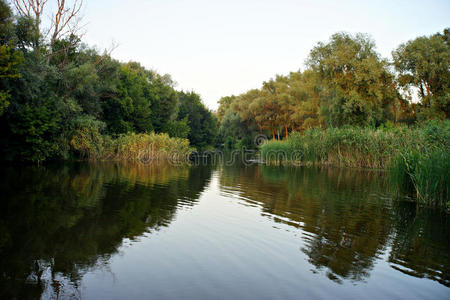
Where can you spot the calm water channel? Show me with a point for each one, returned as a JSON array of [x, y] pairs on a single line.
[[123, 231]]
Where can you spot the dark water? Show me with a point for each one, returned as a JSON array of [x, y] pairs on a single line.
[[114, 231]]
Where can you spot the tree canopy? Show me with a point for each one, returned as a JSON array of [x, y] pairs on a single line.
[[53, 89], [424, 63], [346, 82]]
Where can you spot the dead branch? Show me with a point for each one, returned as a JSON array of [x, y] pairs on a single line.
[[64, 22], [30, 8]]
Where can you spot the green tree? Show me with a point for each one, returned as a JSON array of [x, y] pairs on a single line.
[[202, 123], [224, 106], [10, 59], [359, 81], [307, 90], [424, 63], [164, 100], [129, 110], [178, 128]]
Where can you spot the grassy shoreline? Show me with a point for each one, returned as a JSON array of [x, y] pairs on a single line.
[[417, 159], [142, 147]]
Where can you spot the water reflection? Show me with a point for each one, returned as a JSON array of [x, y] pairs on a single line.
[[347, 221], [57, 222], [61, 226]]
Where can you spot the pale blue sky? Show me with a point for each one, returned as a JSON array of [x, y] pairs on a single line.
[[219, 48]]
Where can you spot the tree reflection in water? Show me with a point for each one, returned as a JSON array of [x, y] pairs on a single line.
[[347, 221], [58, 222]]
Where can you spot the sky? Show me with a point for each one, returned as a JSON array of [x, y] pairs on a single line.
[[220, 48]]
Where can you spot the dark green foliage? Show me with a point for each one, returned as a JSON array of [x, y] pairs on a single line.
[[129, 111], [80, 96], [10, 59], [202, 123], [6, 23], [66, 105], [164, 100], [178, 128], [35, 130]]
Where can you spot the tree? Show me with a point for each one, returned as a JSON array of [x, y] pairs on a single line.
[[202, 123], [178, 128], [424, 63], [163, 98], [64, 21], [224, 106], [10, 58], [359, 80], [307, 91]]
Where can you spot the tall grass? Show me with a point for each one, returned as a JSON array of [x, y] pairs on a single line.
[[143, 147], [352, 147], [427, 174], [418, 158]]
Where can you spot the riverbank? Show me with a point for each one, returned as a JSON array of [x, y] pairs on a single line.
[[418, 158]]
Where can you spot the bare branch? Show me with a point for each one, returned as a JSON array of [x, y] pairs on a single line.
[[65, 22], [30, 8]]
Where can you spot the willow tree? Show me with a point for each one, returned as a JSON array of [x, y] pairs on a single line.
[[306, 90], [224, 106], [424, 63], [242, 104], [360, 80], [284, 101]]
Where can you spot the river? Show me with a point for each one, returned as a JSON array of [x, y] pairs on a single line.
[[133, 231]]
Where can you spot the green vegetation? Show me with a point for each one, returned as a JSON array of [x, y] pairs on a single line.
[[131, 147], [347, 146], [425, 169], [418, 158], [345, 83], [352, 108], [60, 99]]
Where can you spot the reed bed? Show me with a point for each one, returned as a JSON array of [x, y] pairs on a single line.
[[350, 147], [141, 147], [425, 174], [418, 158]]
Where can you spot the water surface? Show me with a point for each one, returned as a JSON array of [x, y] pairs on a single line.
[[124, 231]]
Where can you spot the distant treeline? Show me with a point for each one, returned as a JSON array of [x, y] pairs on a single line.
[[60, 99], [346, 82]]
